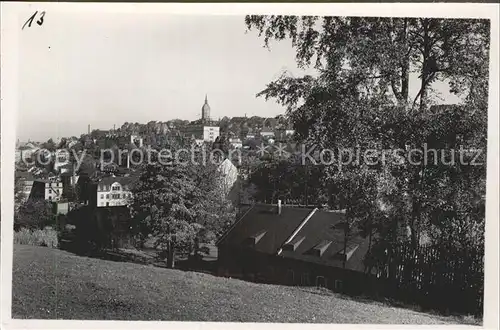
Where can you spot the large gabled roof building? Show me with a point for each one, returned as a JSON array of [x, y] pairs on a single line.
[[292, 245]]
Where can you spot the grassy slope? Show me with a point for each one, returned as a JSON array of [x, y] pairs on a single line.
[[50, 284]]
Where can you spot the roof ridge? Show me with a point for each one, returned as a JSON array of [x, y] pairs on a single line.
[[296, 231]]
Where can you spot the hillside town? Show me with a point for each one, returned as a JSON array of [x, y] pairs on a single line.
[[356, 189], [71, 173]]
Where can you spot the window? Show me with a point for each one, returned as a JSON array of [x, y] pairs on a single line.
[[115, 196], [102, 196], [50, 198], [115, 188], [320, 282], [107, 196], [304, 279]]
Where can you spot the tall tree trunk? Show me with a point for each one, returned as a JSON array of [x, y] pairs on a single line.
[[425, 67], [170, 255], [405, 70]]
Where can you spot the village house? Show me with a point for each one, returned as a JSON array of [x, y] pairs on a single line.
[[236, 143], [293, 246], [266, 133], [111, 191], [61, 160], [48, 189], [283, 133]]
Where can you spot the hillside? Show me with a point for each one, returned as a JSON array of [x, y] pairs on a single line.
[[54, 284]]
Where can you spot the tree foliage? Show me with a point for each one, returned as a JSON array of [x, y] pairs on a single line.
[[34, 214], [379, 54], [179, 205], [360, 100]]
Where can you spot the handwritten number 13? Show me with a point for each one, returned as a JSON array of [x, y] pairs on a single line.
[[30, 20]]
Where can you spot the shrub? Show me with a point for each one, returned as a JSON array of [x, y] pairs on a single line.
[[46, 237], [34, 214]]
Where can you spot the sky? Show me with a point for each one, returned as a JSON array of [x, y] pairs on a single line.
[[105, 69]]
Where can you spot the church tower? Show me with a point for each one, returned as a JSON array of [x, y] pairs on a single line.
[[205, 111]]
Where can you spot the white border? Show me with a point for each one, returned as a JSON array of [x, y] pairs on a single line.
[[10, 28]]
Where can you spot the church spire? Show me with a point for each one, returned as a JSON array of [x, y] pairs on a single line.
[[205, 110]]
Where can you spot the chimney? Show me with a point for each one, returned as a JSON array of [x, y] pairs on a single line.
[[279, 206], [89, 129]]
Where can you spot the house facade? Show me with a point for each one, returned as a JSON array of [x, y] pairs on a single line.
[[293, 246], [205, 133], [61, 159], [236, 143], [48, 189], [204, 129], [112, 192]]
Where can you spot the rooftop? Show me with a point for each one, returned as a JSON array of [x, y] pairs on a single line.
[[301, 233]]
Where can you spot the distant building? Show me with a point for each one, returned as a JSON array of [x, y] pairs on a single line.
[[137, 140], [282, 134], [266, 133], [61, 207], [61, 159], [203, 129], [112, 191], [201, 132], [48, 189], [236, 143], [205, 111]]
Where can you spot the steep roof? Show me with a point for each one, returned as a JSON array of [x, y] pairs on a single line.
[[321, 240], [265, 217], [315, 236]]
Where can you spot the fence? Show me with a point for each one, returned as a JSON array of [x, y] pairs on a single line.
[[443, 278]]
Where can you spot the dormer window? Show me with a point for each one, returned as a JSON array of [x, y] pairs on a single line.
[[320, 248], [293, 244], [346, 255], [254, 239]]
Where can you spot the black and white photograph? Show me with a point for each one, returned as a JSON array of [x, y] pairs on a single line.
[[250, 166]]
